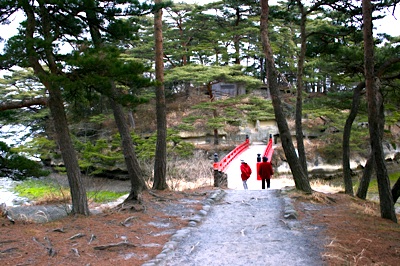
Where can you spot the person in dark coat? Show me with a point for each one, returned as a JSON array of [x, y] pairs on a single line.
[[265, 171], [245, 172]]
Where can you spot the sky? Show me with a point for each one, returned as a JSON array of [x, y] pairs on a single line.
[[390, 24], [386, 25]]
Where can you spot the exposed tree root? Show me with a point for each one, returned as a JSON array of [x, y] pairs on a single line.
[[113, 245]]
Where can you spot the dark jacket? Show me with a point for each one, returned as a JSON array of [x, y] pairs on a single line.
[[265, 170]]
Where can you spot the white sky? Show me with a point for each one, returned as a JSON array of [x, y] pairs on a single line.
[[390, 24], [386, 25]]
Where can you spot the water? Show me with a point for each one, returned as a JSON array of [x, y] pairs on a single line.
[[7, 196]]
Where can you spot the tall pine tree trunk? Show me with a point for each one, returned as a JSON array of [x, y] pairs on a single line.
[[300, 179], [366, 177], [131, 161], [299, 98], [160, 163], [134, 172], [56, 105], [348, 184], [375, 114], [77, 188]]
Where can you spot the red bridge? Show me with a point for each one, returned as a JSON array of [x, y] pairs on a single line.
[[230, 164]]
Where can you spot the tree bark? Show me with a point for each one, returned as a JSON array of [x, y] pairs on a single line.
[[299, 97], [396, 190], [24, 103], [366, 177], [134, 172], [348, 184], [56, 105], [160, 163], [300, 179], [77, 188], [131, 161], [215, 113], [375, 114]]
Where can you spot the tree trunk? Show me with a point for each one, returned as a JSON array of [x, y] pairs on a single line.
[[366, 177], [396, 190], [348, 184], [77, 188], [375, 114], [300, 178], [131, 161], [134, 172], [56, 105], [299, 98], [215, 113], [216, 137], [160, 164]]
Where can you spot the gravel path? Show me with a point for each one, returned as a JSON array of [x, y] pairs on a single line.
[[244, 227]]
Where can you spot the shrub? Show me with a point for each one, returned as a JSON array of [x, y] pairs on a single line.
[[18, 167]]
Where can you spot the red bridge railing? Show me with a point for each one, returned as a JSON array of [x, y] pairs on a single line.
[[220, 166], [269, 150], [223, 164]]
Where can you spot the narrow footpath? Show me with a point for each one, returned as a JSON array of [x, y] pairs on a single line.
[[244, 227]]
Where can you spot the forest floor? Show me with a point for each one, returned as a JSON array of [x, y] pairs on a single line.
[[351, 228]]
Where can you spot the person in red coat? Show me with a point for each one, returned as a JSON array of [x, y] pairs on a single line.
[[246, 172], [265, 171]]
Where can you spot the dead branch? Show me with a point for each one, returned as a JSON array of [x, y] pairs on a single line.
[[7, 241], [50, 250], [92, 237], [78, 235], [127, 221], [120, 244], [8, 250], [193, 247], [76, 252]]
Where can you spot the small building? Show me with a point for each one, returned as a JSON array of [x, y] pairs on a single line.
[[222, 89]]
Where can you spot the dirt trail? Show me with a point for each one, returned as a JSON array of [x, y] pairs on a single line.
[[245, 227]]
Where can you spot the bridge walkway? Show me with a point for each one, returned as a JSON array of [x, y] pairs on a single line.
[[250, 157]]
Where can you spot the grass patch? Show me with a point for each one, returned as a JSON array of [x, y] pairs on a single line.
[[35, 189], [104, 196], [43, 192]]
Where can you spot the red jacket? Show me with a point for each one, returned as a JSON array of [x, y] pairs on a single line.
[[246, 171], [265, 170]]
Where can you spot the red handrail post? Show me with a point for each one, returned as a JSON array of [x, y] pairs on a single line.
[[258, 166]]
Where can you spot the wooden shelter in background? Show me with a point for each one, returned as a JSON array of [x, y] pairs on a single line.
[[222, 89]]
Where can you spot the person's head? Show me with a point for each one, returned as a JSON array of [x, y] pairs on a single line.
[[265, 159], [242, 161]]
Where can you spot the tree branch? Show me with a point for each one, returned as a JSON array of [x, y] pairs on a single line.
[[24, 103]]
